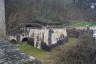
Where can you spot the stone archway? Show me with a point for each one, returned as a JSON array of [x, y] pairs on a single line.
[[29, 41], [13, 41]]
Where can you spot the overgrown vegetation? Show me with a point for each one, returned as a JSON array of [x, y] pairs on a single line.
[[18, 11], [45, 56], [75, 51], [62, 11], [83, 52]]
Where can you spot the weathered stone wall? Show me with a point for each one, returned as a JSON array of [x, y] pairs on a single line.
[[2, 19], [49, 36]]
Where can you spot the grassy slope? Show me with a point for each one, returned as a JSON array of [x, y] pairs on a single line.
[[45, 56], [81, 23]]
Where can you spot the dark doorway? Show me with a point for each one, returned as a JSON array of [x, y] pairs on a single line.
[[31, 41], [25, 39]]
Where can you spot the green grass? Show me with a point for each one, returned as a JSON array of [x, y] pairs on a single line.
[[81, 23], [43, 55]]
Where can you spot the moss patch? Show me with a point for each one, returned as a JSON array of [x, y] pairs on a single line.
[[81, 23]]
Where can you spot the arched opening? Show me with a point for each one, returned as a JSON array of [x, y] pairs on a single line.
[[13, 41], [25, 39], [29, 41]]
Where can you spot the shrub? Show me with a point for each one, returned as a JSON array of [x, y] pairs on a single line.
[[72, 32], [45, 46], [83, 52]]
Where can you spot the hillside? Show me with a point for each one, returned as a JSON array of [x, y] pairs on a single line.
[[18, 11]]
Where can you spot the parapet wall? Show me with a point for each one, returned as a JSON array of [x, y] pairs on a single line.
[[49, 36]]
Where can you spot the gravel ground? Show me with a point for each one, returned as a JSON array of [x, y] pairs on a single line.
[[10, 54]]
